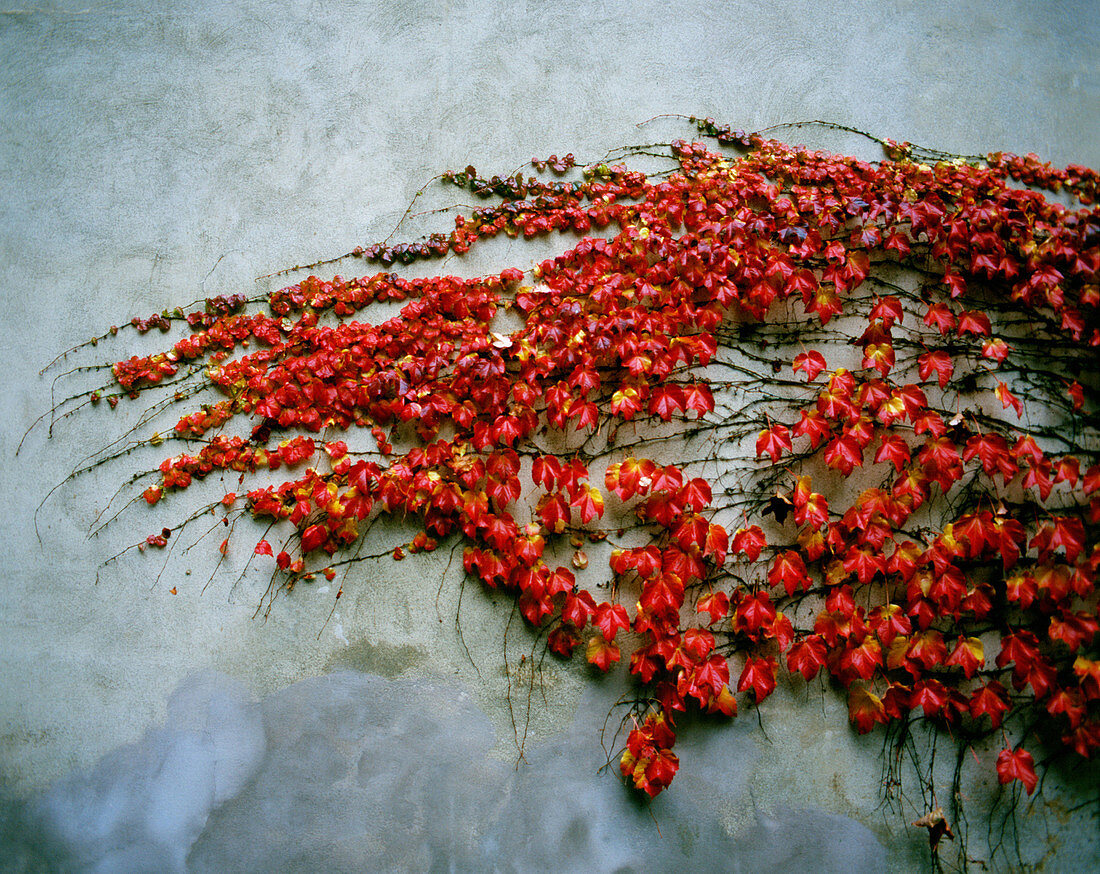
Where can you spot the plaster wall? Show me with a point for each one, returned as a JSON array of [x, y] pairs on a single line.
[[151, 156]]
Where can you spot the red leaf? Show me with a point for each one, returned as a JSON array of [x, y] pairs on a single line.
[[1027, 448], [1020, 647], [1076, 394], [691, 532], [940, 316], [880, 356], [814, 510], [968, 654], [667, 479], [938, 362], [893, 449], [989, 701], [696, 494], [545, 471], [697, 397], [888, 310], [626, 402], [559, 581], [590, 503], [601, 653], [1017, 765], [773, 441], [647, 759], [826, 302], [645, 561], [660, 771], [263, 548], [578, 607], [1008, 399], [1068, 470], [554, 512], [811, 363], [973, 322], [698, 643], [807, 656], [993, 453], [914, 400], [534, 609], [710, 677], [666, 401], [717, 543], [865, 708], [663, 595], [995, 349], [610, 618], [1069, 534], [843, 454], [749, 541], [789, 571], [758, 675], [563, 640], [753, 613], [931, 695], [861, 661], [716, 604], [864, 564], [889, 622], [637, 474], [814, 425], [1074, 629]]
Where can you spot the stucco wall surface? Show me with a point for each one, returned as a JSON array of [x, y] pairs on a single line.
[[150, 156]]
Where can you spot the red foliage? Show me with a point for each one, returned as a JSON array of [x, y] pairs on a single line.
[[944, 528]]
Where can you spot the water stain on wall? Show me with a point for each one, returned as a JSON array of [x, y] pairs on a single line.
[[358, 772]]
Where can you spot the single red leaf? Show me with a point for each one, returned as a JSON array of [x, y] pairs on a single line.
[[788, 570], [865, 708], [601, 653], [989, 700], [968, 654], [1017, 765], [715, 604], [563, 640], [773, 441], [807, 656], [696, 494], [811, 363], [1008, 399], [973, 322], [894, 449], [754, 613], [759, 676], [938, 362], [749, 541], [610, 618], [589, 502], [578, 607]]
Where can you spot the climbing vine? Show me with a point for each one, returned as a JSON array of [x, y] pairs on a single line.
[[830, 416]]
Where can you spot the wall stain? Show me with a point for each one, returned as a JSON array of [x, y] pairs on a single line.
[[385, 659]]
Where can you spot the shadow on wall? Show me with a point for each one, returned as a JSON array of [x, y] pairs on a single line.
[[352, 772]]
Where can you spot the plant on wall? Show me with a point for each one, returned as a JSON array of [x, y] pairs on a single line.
[[822, 416]]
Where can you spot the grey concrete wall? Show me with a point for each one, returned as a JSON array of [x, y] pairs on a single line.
[[151, 156]]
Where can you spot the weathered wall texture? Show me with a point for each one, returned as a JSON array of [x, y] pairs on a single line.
[[150, 157]]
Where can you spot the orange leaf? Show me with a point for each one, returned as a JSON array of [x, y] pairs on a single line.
[[865, 709]]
